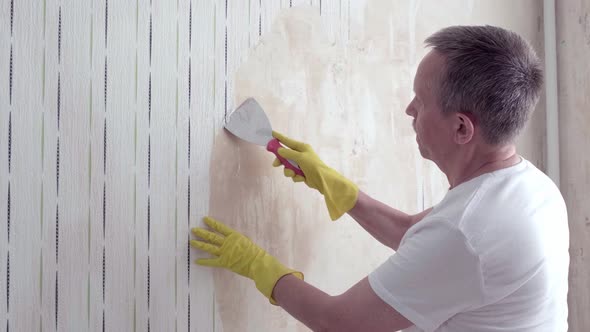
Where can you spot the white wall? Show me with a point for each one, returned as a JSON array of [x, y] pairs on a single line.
[[573, 48]]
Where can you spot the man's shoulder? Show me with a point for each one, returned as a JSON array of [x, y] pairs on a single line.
[[507, 190], [501, 203]]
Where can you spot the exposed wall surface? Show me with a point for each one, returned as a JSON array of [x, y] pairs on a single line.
[[573, 52], [111, 148], [348, 100]]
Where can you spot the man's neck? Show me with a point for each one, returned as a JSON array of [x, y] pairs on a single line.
[[472, 164]]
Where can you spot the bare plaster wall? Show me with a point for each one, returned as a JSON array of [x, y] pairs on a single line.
[[347, 99], [573, 42]]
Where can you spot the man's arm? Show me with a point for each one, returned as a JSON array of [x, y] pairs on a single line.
[[383, 222], [358, 309], [342, 195]]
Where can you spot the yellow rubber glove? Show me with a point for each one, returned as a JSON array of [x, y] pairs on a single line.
[[339, 193], [239, 254]]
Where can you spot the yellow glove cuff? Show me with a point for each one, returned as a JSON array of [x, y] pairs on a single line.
[[340, 195], [266, 272]]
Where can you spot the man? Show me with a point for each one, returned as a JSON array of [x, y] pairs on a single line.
[[491, 256]]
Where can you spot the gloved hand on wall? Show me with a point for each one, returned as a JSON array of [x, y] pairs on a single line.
[[239, 254], [339, 193]]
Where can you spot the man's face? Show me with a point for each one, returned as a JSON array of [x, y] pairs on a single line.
[[434, 132]]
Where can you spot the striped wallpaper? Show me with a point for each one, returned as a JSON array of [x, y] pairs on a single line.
[[108, 111]]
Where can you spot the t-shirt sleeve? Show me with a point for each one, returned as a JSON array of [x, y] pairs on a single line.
[[433, 275]]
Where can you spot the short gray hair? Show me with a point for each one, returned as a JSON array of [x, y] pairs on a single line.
[[491, 73]]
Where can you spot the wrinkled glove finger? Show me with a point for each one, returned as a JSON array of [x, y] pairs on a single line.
[[298, 178], [290, 154], [218, 226], [207, 235], [213, 250], [288, 173], [212, 262], [276, 163], [291, 143]]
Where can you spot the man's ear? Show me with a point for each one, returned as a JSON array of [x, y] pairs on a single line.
[[464, 128]]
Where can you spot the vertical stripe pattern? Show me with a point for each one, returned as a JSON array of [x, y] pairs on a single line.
[[106, 105]]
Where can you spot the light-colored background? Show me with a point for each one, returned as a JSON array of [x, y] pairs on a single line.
[[111, 148]]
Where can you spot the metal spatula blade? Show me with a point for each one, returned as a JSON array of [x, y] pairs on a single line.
[[250, 123]]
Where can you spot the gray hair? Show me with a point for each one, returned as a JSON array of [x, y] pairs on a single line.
[[491, 73]]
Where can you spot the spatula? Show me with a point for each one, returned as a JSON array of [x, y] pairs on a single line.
[[249, 123]]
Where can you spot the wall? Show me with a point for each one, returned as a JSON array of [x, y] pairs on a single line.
[[573, 42], [111, 148]]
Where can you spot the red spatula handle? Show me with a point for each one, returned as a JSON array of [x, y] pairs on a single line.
[[273, 146]]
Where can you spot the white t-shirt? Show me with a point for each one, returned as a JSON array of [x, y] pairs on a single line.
[[491, 256]]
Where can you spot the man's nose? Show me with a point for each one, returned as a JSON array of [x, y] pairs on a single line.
[[410, 110]]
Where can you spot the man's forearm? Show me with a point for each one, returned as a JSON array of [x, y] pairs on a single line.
[[383, 222], [304, 302], [357, 309]]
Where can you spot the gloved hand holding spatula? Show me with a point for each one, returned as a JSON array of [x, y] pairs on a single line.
[[339, 193], [250, 123]]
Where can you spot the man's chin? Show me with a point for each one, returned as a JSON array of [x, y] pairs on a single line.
[[423, 152]]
